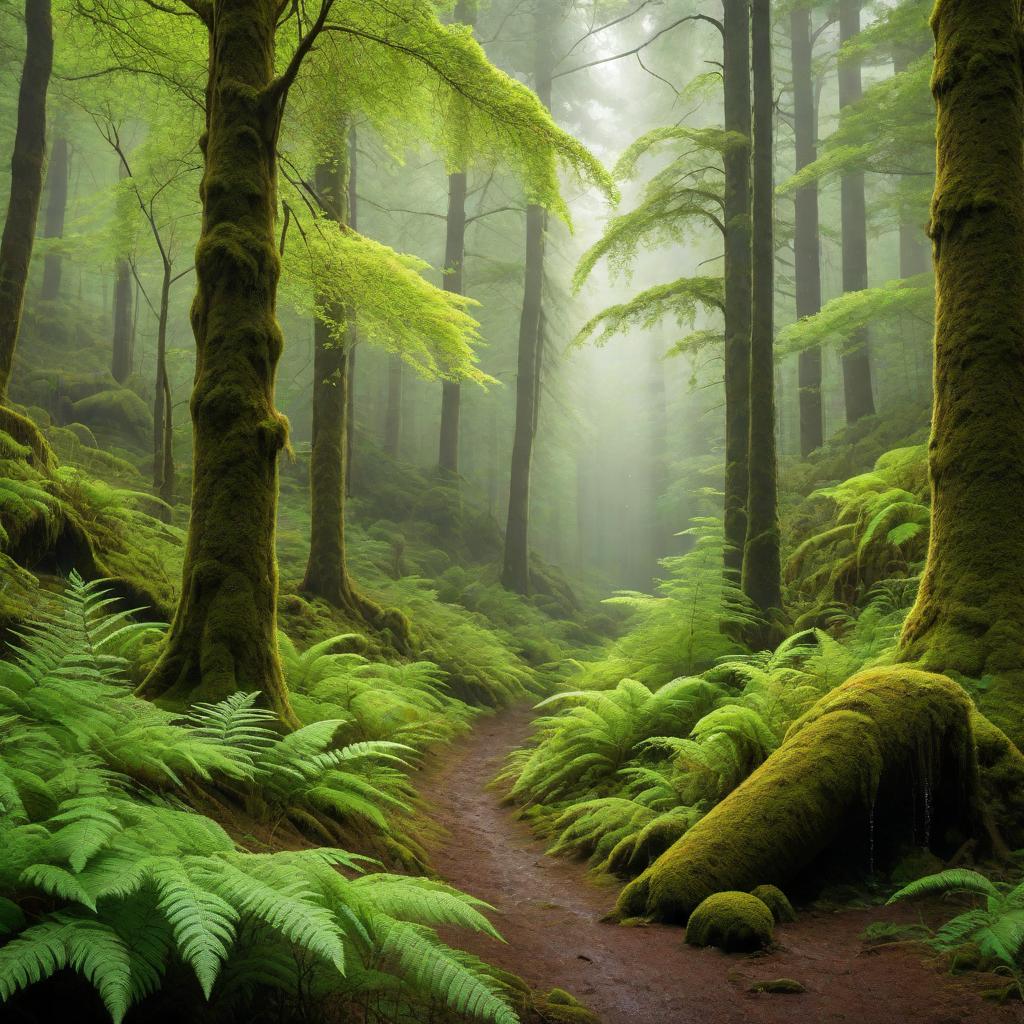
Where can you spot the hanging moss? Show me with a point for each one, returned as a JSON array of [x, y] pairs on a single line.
[[969, 615], [868, 751], [736, 922]]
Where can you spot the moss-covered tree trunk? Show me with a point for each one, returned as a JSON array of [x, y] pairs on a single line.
[[736, 74], [969, 615], [762, 561], [57, 175], [806, 238], [454, 256], [857, 385], [515, 574], [224, 634], [27, 168], [393, 408], [350, 375]]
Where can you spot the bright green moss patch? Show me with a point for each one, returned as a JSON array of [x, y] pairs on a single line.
[[776, 901], [849, 769], [734, 921]]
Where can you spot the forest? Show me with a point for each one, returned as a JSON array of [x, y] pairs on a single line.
[[508, 511]]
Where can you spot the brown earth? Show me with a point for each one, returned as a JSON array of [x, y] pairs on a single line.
[[549, 910]]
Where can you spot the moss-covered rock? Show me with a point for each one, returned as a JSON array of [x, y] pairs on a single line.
[[559, 1007], [118, 413], [734, 921], [865, 753], [776, 901]]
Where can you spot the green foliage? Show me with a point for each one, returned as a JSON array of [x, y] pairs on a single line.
[[132, 880], [996, 927]]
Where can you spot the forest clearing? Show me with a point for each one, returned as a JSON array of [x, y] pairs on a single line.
[[508, 511]]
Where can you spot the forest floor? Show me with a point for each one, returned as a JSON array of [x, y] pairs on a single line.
[[549, 910]]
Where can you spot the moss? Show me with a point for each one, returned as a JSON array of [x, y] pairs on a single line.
[[866, 752], [776, 901], [914, 865], [636, 852], [779, 986], [84, 434], [734, 921], [559, 1007]]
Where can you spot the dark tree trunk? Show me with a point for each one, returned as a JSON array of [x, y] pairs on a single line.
[[123, 357], [515, 573], [224, 634], [857, 388], [163, 426], [762, 564], [454, 255], [393, 409], [806, 241], [969, 615], [454, 258], [27, 166], [57, 177], [736, 69]]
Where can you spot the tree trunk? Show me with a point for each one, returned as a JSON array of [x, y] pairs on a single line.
[[350, 409], [806, 240], [122, 357], [57, 175], [736, 72], [515, 573], [762, 562], [658, 524], [857, 390], [27, 165], [163, 426], [393, 410], [454, 255], [224, 634], [969, 615]]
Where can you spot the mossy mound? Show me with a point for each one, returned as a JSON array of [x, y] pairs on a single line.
[[776, 901], [117, 414], [559, 1007], [855, 766], [733, 921]]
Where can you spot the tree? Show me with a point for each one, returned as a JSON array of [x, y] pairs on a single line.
[[57, 174], [122, 350], [28, 162], [762, 562], [857, 384], [806, 240], [969, 615]]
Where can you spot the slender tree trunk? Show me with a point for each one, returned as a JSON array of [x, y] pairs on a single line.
[[969, 615], [762, 564], [516, 569], [163, 427], [660, 531], [454, 256], [57, 177], [27, 166], [224, 634], [806, 240], [350, 410], [122, 357], [736, 73], [857, 387], [393, 410]]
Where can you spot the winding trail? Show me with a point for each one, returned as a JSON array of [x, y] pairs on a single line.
[[549, 911]]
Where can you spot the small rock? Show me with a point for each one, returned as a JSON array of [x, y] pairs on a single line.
[[779, 986]]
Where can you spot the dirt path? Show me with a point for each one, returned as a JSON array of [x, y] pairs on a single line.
[[549, 912]]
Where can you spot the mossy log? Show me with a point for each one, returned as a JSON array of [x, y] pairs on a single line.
[[884, 742]]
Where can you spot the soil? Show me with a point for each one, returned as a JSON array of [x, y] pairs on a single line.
[[549, 910]]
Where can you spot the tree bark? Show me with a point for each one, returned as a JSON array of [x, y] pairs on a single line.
[[27, 167], [736, 73], [969, 615], [57, 176], [857, 386], [122, 354], [762, 562], [806, 239], [515, 573], [350, 411], [224, 634]]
